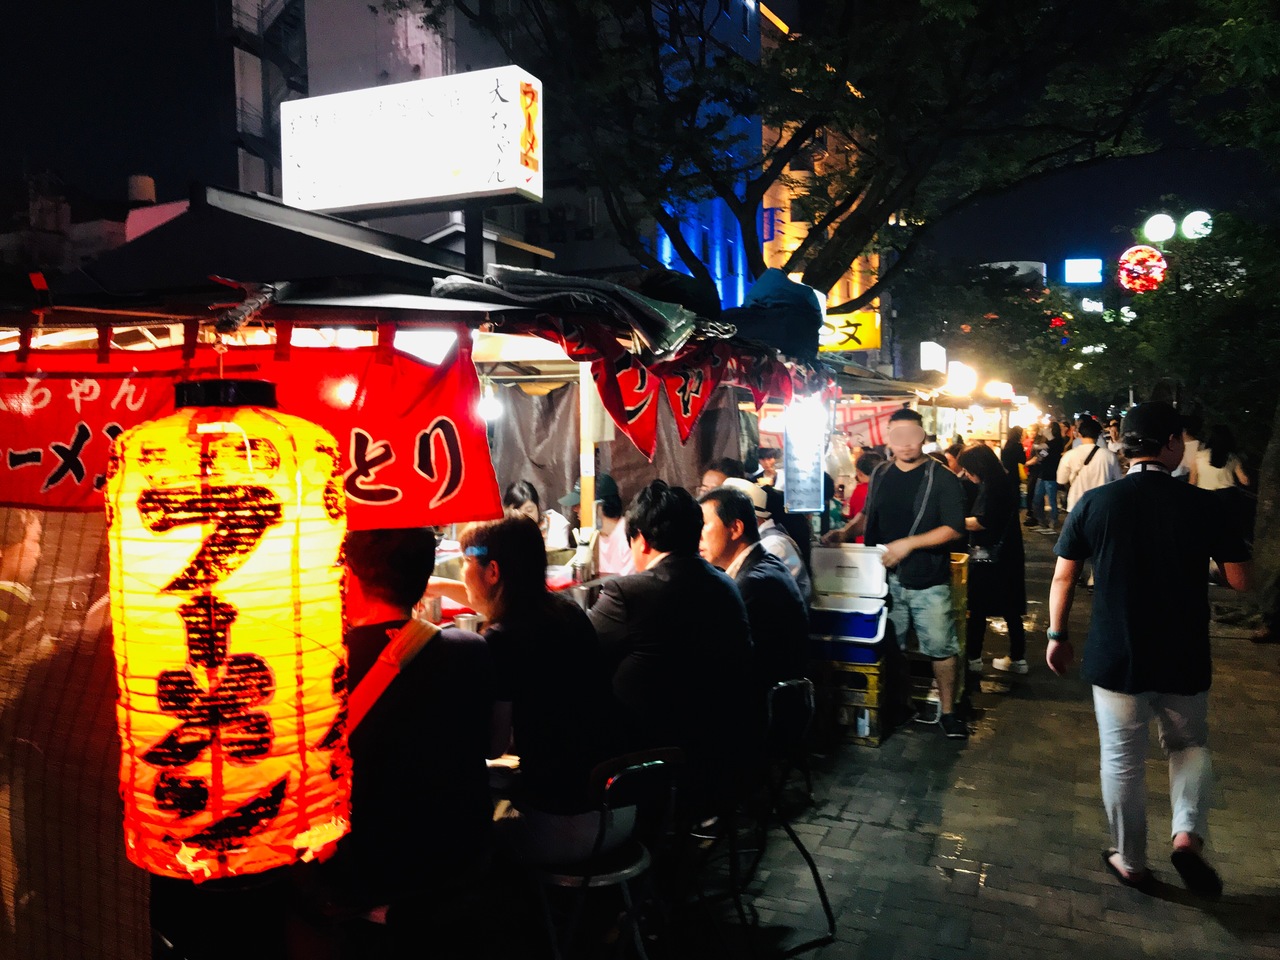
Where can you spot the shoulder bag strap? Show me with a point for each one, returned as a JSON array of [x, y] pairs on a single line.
[[405, 644]]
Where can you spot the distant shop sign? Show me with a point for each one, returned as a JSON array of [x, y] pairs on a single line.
[[462, 137]]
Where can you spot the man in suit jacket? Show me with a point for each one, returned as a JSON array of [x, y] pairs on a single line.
[[775, 608], [676, 645]]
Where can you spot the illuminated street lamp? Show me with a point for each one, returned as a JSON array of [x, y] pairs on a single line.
[[1159, 228], [1197, 224]]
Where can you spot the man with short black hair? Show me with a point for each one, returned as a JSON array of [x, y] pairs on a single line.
[[776, 609], [915, 508], [773, 538], [1147, 655], [718, 471], [676, 645], [1088, 465], [420, 787]]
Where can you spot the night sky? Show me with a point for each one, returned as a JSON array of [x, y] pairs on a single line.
[[96, 92]]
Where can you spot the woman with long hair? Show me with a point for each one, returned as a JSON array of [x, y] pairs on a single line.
[[551, 698], [997, 575], [1216, 465], [522, 498]]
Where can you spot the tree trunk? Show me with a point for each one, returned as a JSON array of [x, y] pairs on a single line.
[[1266, 533]]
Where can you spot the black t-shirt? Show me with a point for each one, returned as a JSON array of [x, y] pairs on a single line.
[[1011, 457], [420, 806], [547, 666], [1150, 537], [1053, 454], [895, 500]]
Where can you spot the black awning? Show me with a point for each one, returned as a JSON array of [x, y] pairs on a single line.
[[253, 240]]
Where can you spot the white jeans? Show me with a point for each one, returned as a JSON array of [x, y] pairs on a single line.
[[1123, 728]]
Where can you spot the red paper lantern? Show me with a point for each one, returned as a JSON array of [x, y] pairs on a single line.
[[224, 524]]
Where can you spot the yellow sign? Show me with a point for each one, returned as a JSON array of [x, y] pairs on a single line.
[[859, 330]]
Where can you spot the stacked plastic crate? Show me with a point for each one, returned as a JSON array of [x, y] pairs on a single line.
[[847, 625]]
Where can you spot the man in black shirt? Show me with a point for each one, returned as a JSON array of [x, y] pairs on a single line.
[[420, 806], [915, 508], [1147, 654]]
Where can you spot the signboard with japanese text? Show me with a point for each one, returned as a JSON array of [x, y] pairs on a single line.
[[412, 447], [859, 330], [458, 137]]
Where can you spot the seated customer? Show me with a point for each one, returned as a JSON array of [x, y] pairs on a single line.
[[777, 613], [550, 694], [774, 538], [614, 552], [522, 498], [675, 641], [420, 807]]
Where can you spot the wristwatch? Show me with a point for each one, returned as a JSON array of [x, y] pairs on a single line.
[[1055, 634]]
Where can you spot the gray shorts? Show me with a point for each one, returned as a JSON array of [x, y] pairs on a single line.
[[929, 611]]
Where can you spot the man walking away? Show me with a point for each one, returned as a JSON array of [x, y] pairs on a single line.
[[1147, 654]]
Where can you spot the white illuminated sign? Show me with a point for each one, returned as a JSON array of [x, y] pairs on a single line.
[[1082, 271], [466, 136], [1092, 306], [933, 356]]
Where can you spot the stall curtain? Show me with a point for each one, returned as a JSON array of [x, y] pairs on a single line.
[[412, 446], [631, 391], [536, 439]]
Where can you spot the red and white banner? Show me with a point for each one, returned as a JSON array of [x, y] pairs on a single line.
[[691, 378], [867, 424], [412, 444]]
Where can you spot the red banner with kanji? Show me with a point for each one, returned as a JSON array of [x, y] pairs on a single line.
[[413, 447], [691, 378]]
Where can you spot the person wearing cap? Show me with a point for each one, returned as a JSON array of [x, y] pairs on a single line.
[[773, 538], [1147, 654], [614, 550], [776, 609], [915, 509]]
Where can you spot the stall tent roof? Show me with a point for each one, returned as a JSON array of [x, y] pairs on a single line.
[[249, 239]]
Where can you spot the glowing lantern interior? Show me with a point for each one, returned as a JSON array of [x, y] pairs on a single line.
[[1142, 269], [225, 523]]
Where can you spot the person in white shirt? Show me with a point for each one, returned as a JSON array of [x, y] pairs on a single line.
[[1088, 465], [522, 498], [614, 550], [1216, 466]]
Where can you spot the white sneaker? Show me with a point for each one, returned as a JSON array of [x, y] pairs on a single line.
[[1009, 665], [976, 665]]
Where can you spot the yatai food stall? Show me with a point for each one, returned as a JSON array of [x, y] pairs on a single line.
[[189, 532]]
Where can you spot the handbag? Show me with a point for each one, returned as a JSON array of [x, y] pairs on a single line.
[[979, 554]]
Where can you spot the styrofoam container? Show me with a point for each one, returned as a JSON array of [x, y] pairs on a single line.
[[851, 568]]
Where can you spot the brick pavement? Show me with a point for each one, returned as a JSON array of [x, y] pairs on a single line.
[[990, 849]]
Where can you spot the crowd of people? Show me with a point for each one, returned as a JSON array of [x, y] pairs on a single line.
[[710, 609]]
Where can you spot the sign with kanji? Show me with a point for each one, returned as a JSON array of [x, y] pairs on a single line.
[[457, 137], [841, 332], [412, 449]]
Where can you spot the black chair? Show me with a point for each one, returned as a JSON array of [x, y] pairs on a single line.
[[789, 716], [645, 780]]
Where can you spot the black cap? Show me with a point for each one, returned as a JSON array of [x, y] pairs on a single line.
[[1154, 420], [225, 393]]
